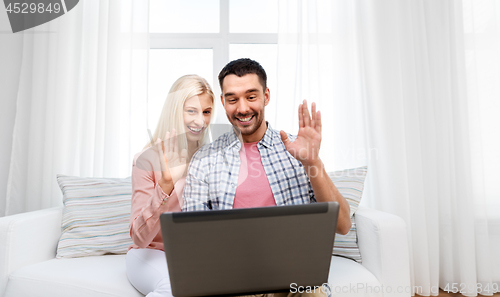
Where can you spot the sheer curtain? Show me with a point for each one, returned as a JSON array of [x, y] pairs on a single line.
[[402, 89], [81, 100]]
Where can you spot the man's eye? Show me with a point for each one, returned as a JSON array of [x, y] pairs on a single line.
[[252, 97], [207, 112]]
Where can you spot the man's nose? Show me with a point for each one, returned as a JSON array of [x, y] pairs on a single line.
[[243, 106]]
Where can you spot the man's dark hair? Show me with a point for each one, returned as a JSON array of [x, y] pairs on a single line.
[[242, 67]]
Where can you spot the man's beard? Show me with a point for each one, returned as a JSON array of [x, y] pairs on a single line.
[[249, 130]]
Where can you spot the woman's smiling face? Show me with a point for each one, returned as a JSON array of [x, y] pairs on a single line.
[[197, 114]]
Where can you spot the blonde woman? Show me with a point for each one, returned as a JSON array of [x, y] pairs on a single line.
[[158, 176]]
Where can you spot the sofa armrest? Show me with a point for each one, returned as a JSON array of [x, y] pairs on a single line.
[[26, 239], [383, 244]]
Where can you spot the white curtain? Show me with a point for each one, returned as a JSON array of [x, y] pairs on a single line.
[[81, 100], [406, 87]]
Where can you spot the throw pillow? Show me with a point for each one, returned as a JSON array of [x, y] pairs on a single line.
[[350, 183], [95, 217]]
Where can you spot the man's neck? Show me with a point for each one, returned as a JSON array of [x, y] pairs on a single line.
[[257, 135]]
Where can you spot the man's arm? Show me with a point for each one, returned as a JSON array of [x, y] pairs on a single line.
[[326, 191], [305, 148]]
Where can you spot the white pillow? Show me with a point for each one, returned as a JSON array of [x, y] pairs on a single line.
[[350, 183], [95, 217]]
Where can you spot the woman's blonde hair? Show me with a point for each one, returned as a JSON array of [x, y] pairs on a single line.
[[172, 114]]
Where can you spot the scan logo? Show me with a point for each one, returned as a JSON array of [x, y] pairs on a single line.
[[25, 14]]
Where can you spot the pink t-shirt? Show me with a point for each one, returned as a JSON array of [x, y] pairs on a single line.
[[253, 186]]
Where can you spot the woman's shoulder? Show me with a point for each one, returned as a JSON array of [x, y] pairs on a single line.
[[147, 159]]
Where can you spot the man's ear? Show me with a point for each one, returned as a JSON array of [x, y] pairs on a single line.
[[222, 100], [267, 96]]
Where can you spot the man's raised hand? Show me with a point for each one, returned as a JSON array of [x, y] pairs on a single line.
[[306, 146]]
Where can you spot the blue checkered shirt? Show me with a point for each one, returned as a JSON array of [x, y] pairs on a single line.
[[213, 173]]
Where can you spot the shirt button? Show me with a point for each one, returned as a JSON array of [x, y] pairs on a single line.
[[233, 185]]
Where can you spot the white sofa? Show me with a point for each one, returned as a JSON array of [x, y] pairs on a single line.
[[28, 266]]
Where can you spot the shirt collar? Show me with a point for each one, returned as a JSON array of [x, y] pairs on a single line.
[[266, 141]]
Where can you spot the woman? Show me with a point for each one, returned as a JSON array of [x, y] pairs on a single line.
[[158, 176]]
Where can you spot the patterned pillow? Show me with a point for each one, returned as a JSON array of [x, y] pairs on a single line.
[[350, 183], [95, 217]]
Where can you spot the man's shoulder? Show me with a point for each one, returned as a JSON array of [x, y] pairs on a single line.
[[277, 137], [214, 147], [291, 136]]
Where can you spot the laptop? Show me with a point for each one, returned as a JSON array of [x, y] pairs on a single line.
[[249, 251]]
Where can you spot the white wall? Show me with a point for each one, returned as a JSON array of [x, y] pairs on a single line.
[[11, 46]]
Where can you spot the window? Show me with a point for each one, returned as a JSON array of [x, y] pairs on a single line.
[[201, 36]]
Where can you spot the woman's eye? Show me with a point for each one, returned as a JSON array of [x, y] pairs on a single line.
[[191, 111]]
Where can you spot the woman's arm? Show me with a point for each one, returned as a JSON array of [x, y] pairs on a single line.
[[149, 201]]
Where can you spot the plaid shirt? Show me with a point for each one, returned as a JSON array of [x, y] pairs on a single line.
[[213, 173]]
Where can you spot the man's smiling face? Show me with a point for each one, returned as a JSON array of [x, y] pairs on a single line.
[[244, 100]]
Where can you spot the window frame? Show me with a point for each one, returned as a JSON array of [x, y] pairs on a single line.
[[218, 42]]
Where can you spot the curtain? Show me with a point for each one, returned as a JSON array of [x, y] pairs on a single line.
[[482, 57], [81, 101], [406, 87]]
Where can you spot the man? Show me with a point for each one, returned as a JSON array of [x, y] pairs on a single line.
[[265, 167]]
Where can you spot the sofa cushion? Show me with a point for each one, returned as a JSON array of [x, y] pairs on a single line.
[[349, 278], [96, 216], [106, 276], [76, 277], [350, 183]]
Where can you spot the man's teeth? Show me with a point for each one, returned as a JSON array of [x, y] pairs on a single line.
[[195, 130], [245, 119]]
